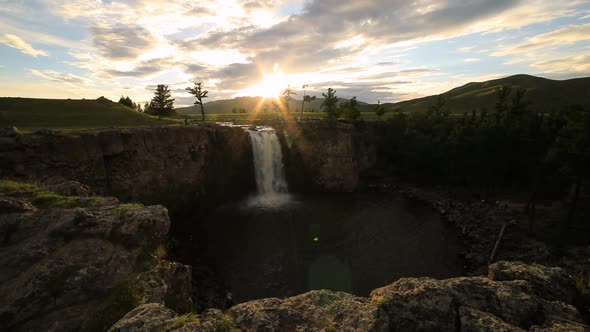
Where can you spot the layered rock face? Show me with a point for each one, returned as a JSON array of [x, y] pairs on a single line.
[[178, 166], [74, 263], [174, 166], [330, 156]]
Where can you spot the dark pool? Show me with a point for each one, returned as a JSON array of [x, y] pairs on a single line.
[[349, 242]]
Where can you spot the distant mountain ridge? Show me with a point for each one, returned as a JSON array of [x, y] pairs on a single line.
[[225, 106], [542, 95]]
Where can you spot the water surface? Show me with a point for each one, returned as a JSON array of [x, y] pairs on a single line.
[[349, 242]]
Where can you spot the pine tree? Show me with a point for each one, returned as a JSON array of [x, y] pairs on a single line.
[[329, 104], [162, 104]]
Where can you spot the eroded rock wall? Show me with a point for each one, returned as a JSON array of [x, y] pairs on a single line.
[[331, 156], [177, 167]]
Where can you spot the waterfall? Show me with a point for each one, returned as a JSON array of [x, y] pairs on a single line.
[[268, 166]]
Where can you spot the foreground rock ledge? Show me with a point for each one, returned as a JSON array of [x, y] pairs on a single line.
[[523, 298], [71, 263]]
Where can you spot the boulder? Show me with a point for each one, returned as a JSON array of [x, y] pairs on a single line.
[[319, 310], [151, 287], [70, 188], [65, 268], [426, 304], [15, 205], [154, 317], [10, 132], [473, 320], [151, 317], [551, 283], [561, 326], [178, 280]]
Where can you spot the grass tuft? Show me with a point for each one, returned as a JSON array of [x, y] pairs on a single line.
[[226, 324], [129, 206]]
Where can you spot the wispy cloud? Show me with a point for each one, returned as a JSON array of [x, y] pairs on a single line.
[[55, 76], [465, 49], [565, 64], [472, 60], [564, 36], [21, 45]]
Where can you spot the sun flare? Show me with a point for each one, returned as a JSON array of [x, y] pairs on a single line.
[[271, 86]]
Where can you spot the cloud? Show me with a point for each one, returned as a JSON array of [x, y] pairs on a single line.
[[472, 60], [565, 64], [231, 44], [55, 76], [142, 69], [21, 45], [122, 42], [564, 36]]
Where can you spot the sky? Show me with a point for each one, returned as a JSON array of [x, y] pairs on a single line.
[[380, 50]]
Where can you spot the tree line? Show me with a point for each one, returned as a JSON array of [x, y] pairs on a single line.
[[162, 104], [509, 146]]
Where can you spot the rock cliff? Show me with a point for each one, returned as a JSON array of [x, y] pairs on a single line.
[[177, 167], [181, 166], [330, 156]]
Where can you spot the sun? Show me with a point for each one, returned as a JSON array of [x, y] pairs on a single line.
[[271, 86]]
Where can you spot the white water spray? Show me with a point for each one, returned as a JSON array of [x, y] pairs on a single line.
[[268, 167]]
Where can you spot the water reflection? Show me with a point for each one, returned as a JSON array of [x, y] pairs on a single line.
[[352, 242]]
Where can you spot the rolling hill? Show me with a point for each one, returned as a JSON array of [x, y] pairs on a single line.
[[542, 95], [31, 114], [225, 106]]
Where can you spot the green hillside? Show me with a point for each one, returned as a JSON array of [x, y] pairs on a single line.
[[225, 106], [542, 94], [31, 114]]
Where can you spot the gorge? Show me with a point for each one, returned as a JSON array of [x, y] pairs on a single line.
[[328, 234]]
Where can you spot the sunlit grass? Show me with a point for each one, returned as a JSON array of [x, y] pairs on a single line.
[[260, 116], [28, 114]]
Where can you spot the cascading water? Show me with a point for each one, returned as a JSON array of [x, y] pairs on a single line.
[[268, 167]]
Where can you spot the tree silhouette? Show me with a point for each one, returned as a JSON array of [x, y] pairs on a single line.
[[199, 91], [380, 110], [329, 104], [286, 97], [127, 102], [350, 109], [162, 104]]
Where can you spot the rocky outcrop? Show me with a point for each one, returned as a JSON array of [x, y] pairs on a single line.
[[515, 297], [73, 263], [178, 167], [154, 317], [313, 311]]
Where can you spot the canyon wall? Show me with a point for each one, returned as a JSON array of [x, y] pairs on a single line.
[[332, 156], [185, 166], [178, 167]]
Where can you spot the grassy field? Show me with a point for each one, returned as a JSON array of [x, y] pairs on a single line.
[[29, 114], [250, 104], [247, 117]]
